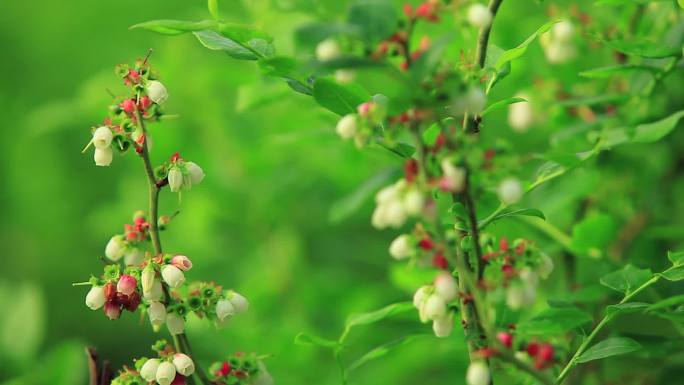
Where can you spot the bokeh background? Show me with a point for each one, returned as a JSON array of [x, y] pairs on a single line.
[[272, 217]]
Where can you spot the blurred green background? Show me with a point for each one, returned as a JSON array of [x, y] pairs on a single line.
[[261, 220]]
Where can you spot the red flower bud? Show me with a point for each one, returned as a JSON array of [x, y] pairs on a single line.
[[503, 244], [440, 262], [426, 244], [145, 103], [225, 369], [532, 349], [408, 10], [505, 338], [411, 170], [546, 352], [133, 301], [128, 106], [110, 291], [127, 284], [112, 310]]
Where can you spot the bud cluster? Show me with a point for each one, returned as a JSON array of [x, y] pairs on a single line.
[[240, 369], [168, 368]]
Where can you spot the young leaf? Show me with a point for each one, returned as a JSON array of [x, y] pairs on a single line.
[[339, 98], [607, 348], [382, 350], [311, 340], [404, 150], [175, 27], [626, 279], [374, 19], [651, 132], [375, 316], [593, 234], [520, 212], [514, 53], [501, 104], [554, 320], [215, 41], [676, 257], [628, 307], [667, 303], [674, 273], [644, 48], [606, 72]]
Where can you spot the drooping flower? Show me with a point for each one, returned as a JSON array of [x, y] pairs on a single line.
[[95, 298], [443, 326], [175, 324], [172, 275], [127, 284], [166, 372], [239, 302], [195, 172], [102, 137], [347, 126], [149, 369], [182, 262], [175, 178], [103, 156], [510, 191], [478, 374], [327, 50], [435, 307], [479, 15], [112, 310], [224, 309], [446, 286], [520, 115], [115, 248], [401, 247], [183, 364], [157, 313], [157, 92], [132, 256]]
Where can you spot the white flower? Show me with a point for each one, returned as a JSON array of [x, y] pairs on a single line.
[[558, 52], [172, 275], [413, 202], [395, 214], [157, 313], [102, 137], [401, 247], [156, 292], [510, 191], [195, 172], [166, 373], [446, 286], [327, 50], [479, 15], [478, 374], [224, 309], [563, 31], [115, 248], [95, 298], [149, 369], [240, 303], [443, 326], [103, 156], [435, 307], [175, 178], [175, 324], [520, 115], [147, 278], [545, 266], [345, 75], [419, 300], [475, 100], [183, 364], [454, 177], [518, 296], [157, 92], [347, 126], [132, 256]]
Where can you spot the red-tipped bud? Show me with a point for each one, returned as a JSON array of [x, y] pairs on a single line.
[[505, 338], [128, 106], [532, 349], [225, 369], [112, 310], [127, 284], [411, 170], [546, 352], [426, 244], [145, 103], [110, 291], [440, 262], [133, 302], [503, 244]]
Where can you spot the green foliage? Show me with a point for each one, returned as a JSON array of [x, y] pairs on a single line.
[[608, 348]]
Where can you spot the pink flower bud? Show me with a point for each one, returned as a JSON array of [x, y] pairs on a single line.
[[182, 262], [127, 284], [112, 310], [505, 338]]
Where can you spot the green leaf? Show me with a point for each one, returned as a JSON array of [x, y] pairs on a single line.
[[606, 72], [651, 132], [382, 350], [674, 273], [404, 150], [311, 340], [593, 234], [667, 303], [676, 257], [501, 104], [215, 41], [175, 27], [628, 307], [607, 348], [554, 320], [351, 203], [341, 99], [626, 279], [374, 316], [593, 100], [514, 53], [644, 48], [520, 212], [288, 69], [374, 19]]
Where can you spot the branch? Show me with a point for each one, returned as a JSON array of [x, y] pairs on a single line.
[[483, 38]]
